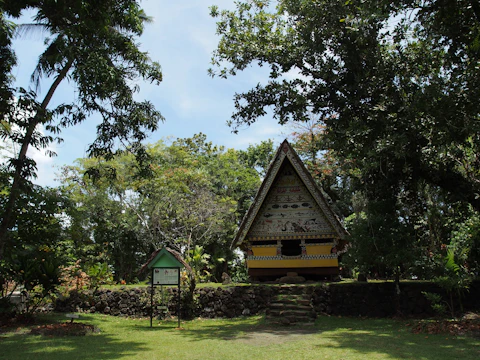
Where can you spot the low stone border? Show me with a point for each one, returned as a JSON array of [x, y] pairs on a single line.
[[349, 299]]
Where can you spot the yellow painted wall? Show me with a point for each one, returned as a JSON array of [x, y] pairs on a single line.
[[264, 251], [294, 263], [311, 250], [318, 249]]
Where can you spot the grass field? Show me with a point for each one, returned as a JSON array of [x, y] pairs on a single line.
[[246, 338]]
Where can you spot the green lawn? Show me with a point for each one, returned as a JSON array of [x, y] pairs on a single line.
[[248, 338]]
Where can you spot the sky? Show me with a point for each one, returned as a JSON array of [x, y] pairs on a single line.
[[182, 39]]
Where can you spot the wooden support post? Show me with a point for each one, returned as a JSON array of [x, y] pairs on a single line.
[[151, 302], [179, 297]]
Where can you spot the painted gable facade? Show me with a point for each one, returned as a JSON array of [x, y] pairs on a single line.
[[290, 227], [289, 210]]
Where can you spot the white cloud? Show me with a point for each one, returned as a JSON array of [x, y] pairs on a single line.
[[45, 163], [263, 130]]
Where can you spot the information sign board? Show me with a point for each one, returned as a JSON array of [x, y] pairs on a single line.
[[165, 276]]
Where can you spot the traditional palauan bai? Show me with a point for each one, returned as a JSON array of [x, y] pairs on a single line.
[[290, 227]]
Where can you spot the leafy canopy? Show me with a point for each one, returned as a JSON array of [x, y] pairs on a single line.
[[396, 82], [195, 196], [92, 45]]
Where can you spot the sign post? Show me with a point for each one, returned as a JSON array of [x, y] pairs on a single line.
[[165, 266], [165, 276]]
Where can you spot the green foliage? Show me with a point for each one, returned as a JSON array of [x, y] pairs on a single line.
[[199, 262], [37, 247], [239, 271], [380, 245], [99, 274], [455, 281], [97, 51], [195, 195], [436, 302], [466, 241], [7, 61], [258, 156]]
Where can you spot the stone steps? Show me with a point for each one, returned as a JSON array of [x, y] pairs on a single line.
[[300, 314], [291, 306], [295, 302], [280, 306]]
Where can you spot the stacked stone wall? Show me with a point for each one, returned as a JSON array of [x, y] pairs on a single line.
[[209, 302], [346, 299]]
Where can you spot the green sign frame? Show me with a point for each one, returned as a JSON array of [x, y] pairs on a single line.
[[165, 271]]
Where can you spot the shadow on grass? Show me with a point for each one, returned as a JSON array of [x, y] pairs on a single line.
[[23, 345], [229, 329], [391, 338], [366, 338]]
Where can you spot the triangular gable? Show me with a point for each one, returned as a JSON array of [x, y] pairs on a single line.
[[289, 192], [166, 258]]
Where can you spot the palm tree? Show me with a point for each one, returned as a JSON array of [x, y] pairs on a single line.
[[92, 45]]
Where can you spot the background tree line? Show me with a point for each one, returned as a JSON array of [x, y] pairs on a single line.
[[193, 200], [108, 220]]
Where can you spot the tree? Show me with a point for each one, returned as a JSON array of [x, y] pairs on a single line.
[[334, 178], [36, 247], [7, 61], [91, 44], [196, 196], [396, 82], [259, 156], [102, 227]]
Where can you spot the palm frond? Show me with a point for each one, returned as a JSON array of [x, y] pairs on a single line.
[[450, 263], [144, 17], [23, 30], [47, 61]]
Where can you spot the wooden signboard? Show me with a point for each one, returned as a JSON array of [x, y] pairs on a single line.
[[165, 269], [166, 276]]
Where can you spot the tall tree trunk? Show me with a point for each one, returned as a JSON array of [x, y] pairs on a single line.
[[397, 291], [8, 219]]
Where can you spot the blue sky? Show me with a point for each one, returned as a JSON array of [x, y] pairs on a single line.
[[181, 38]]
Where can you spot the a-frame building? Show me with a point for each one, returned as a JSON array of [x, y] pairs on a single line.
[[290, 227]]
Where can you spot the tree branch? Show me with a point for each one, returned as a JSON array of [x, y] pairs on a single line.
[[8, 216]]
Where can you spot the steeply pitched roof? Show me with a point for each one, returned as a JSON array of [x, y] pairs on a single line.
[[168, 252], [286, 153]]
